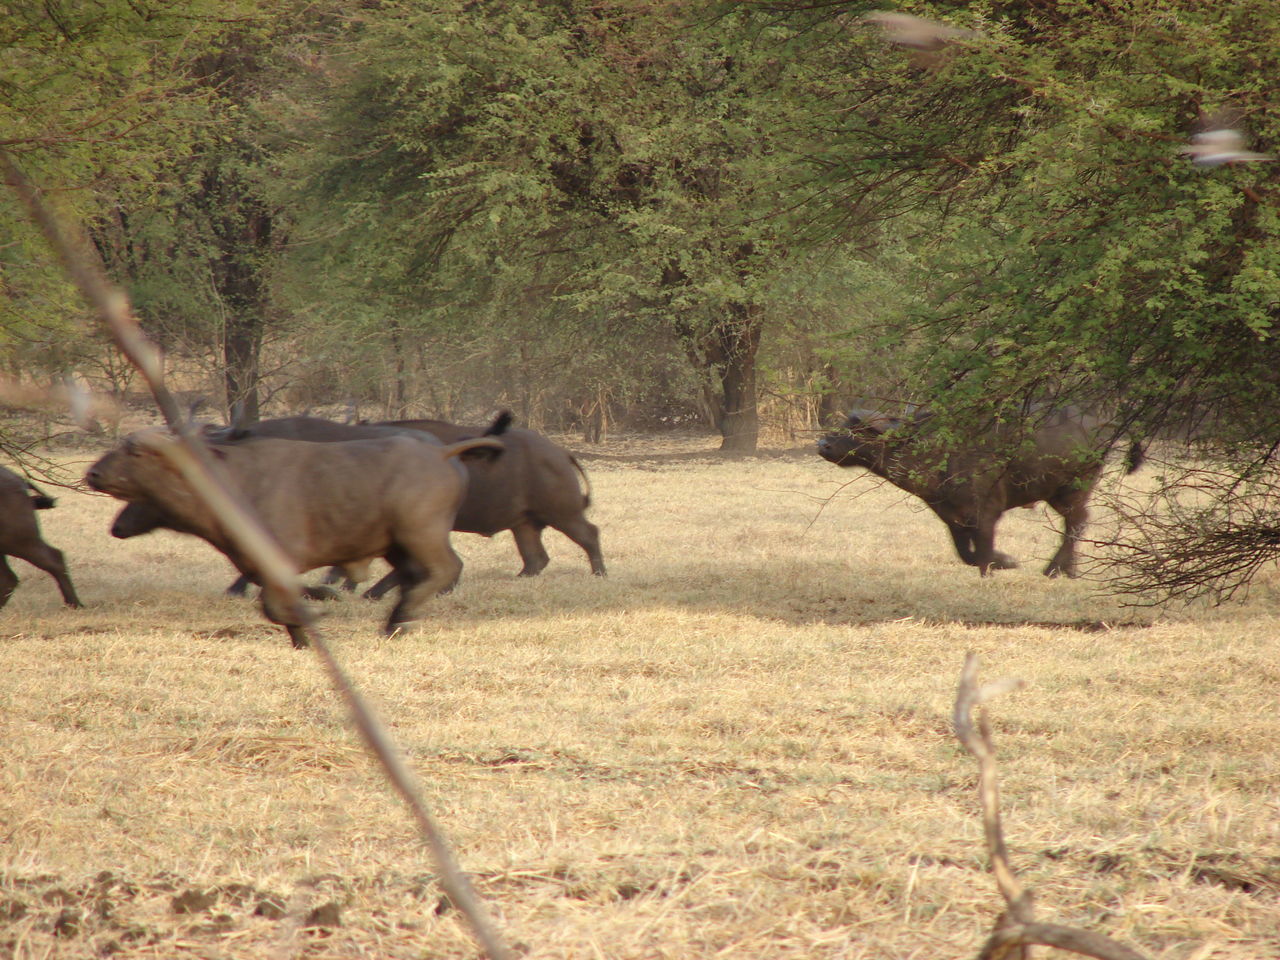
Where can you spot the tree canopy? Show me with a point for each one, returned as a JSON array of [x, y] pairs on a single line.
[[580, 206]]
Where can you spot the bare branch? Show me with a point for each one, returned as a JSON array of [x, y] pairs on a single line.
[[190, 457], [1016, 930], [978, 742], [1202, 532]]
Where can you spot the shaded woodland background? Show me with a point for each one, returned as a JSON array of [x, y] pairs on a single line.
[[739, 217]]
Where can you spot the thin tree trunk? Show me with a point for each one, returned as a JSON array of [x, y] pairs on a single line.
[[739, 343], [396, 398], [242, 227], [241, 348]]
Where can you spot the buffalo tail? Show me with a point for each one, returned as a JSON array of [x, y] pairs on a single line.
[[1135, 458]]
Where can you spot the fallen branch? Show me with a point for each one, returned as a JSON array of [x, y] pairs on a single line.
[[1016, 929], [191, 458]]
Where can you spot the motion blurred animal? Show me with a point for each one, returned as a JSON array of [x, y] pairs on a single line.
[[136, 519], [531, 486], [325, 504], [20, 537], [1057, 457]]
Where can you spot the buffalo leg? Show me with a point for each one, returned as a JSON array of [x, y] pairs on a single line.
[[532, 552], [986, 556], [8, 581], [962, 537], [427, 566], [967, 540], [354, 573], [586, 535], [984, 553], [279, 609], [375, 592], [1075, 514], [50, 560], [349, 574]]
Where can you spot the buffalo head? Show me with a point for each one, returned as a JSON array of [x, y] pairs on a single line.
[[135, 519], [137, 467], [860, 441]]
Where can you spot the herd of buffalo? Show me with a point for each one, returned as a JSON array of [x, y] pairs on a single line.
[[342, 495]]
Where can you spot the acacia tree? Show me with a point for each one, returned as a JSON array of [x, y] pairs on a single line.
[[135, 116], [92, 107], [612, 160]]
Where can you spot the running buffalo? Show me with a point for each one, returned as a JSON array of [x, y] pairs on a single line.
[[324, 503], [20, 537], [1055, 457], [531, 486]]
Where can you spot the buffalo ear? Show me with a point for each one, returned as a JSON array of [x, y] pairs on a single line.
[[500, 424]]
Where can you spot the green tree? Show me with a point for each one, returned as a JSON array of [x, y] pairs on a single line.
[[93, 108], [144, 118], [617, 162]]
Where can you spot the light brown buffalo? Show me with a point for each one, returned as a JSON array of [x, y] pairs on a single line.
[[325, 504]]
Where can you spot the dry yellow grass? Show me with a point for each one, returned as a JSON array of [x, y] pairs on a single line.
[[736, 746]]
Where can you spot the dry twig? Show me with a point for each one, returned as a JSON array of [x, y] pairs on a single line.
[[1016, 929], [189, 456]]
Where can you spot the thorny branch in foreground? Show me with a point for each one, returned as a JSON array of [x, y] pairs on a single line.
[[1016, 929], [1202, 533], [192, 460]]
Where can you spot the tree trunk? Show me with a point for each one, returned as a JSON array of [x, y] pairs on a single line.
[[242, 228], [241, 347], [828, 406], [739, 340], [399, 388]]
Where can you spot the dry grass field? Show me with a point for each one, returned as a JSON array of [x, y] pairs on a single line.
[[738, 745]]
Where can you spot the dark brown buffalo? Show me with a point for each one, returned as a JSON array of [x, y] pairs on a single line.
[[20, 537], [326, 504], [1056, 458], [531, 486]]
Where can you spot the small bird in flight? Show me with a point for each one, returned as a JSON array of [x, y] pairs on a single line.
[[915, 32], [1213, 148]]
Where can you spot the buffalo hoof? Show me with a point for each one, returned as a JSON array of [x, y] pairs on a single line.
[[1053, 570], [298, 637], [239, 587]]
